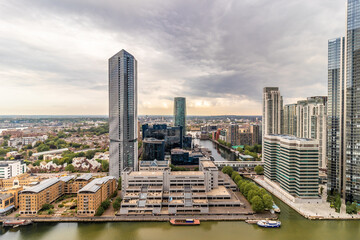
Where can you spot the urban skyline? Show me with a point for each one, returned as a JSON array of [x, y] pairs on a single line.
[[210, 90]]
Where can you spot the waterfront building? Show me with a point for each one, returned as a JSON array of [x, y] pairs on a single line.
[[9, 169], [185, 157], [289, 122], [245, 138], [233, 133], [32, 199], [180, 113], [172, 136], [123, 118], [293, 163], [352, 101], [24, 179], [335, 121], [311, 119], [272, 111], [175, 191], [7, 203], [223, 135], [153, 149], [91, 196]]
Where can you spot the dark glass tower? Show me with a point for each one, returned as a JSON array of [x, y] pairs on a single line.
[[180, 113], [352, 101], [335, 119], [123, 113]]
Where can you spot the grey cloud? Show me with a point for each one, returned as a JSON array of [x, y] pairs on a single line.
[[238, 46]]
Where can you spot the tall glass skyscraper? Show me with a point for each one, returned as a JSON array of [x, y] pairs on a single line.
[[123, 113], [352, 100], [335, 119], [180, 113]]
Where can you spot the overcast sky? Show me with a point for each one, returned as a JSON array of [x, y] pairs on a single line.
[[217, 54]]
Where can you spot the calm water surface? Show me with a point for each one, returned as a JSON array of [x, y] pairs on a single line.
[[294, 227]]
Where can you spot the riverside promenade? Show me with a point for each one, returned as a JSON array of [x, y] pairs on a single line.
[[149, 218], [308, 210]]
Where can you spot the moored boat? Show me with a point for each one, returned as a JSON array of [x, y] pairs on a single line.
[[12, 223], [186, 222], [269, 224], [276, 208]]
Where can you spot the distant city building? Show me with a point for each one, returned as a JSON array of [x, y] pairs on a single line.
[[335, 122], [311, 122], [289, 122], [123, 113], [255, 134], [245, 138], [153, 149], [293, 163], [272, 111], [9, 169], [180, 113], [233, 134]]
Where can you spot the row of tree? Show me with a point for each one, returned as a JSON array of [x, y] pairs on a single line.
[[258, 197]]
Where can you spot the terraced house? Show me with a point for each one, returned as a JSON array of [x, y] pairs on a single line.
[[293, 163]]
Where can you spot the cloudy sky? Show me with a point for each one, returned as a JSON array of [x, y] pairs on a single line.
[[217, 54]]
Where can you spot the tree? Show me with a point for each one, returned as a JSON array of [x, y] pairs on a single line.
[[70, 168], [257, 204], [337, 203], [234, 174], [261, 192], [259, 170], [99, 211], [268, 201], [251, 194], [119, 183], [227, 170], [46, 206], [43, 147], [237, 179], [105, 204], [116, 205]]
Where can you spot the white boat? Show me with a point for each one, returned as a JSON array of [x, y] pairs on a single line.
[[276, 208], [269, 224]]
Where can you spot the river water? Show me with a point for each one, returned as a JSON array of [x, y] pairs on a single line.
[[294, 227]]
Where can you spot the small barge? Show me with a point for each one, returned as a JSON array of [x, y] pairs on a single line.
[[186, 222], [17, 223]]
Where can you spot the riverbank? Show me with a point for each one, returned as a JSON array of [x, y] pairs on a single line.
[[222, 145], [150, 218], [318, 211]]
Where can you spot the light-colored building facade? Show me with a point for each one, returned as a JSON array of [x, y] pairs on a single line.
[[272, 111], [9, 169], [289, 121], [123, 120], [311, 115], [293, 163], [91, 196], [177, 191]]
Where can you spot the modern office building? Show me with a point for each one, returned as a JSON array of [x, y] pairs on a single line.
[[153, 149], [9, 169], [180, 113], [335, 120], [123, 113], [289, 121], [171, 135], [185, 157], [293, 163], [311, 119], [272, 111], [352, 101]]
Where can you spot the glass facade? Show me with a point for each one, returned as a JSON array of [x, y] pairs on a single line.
[[180, 113], [352, 115], [335, 119], [123, 113], [171, 135]]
